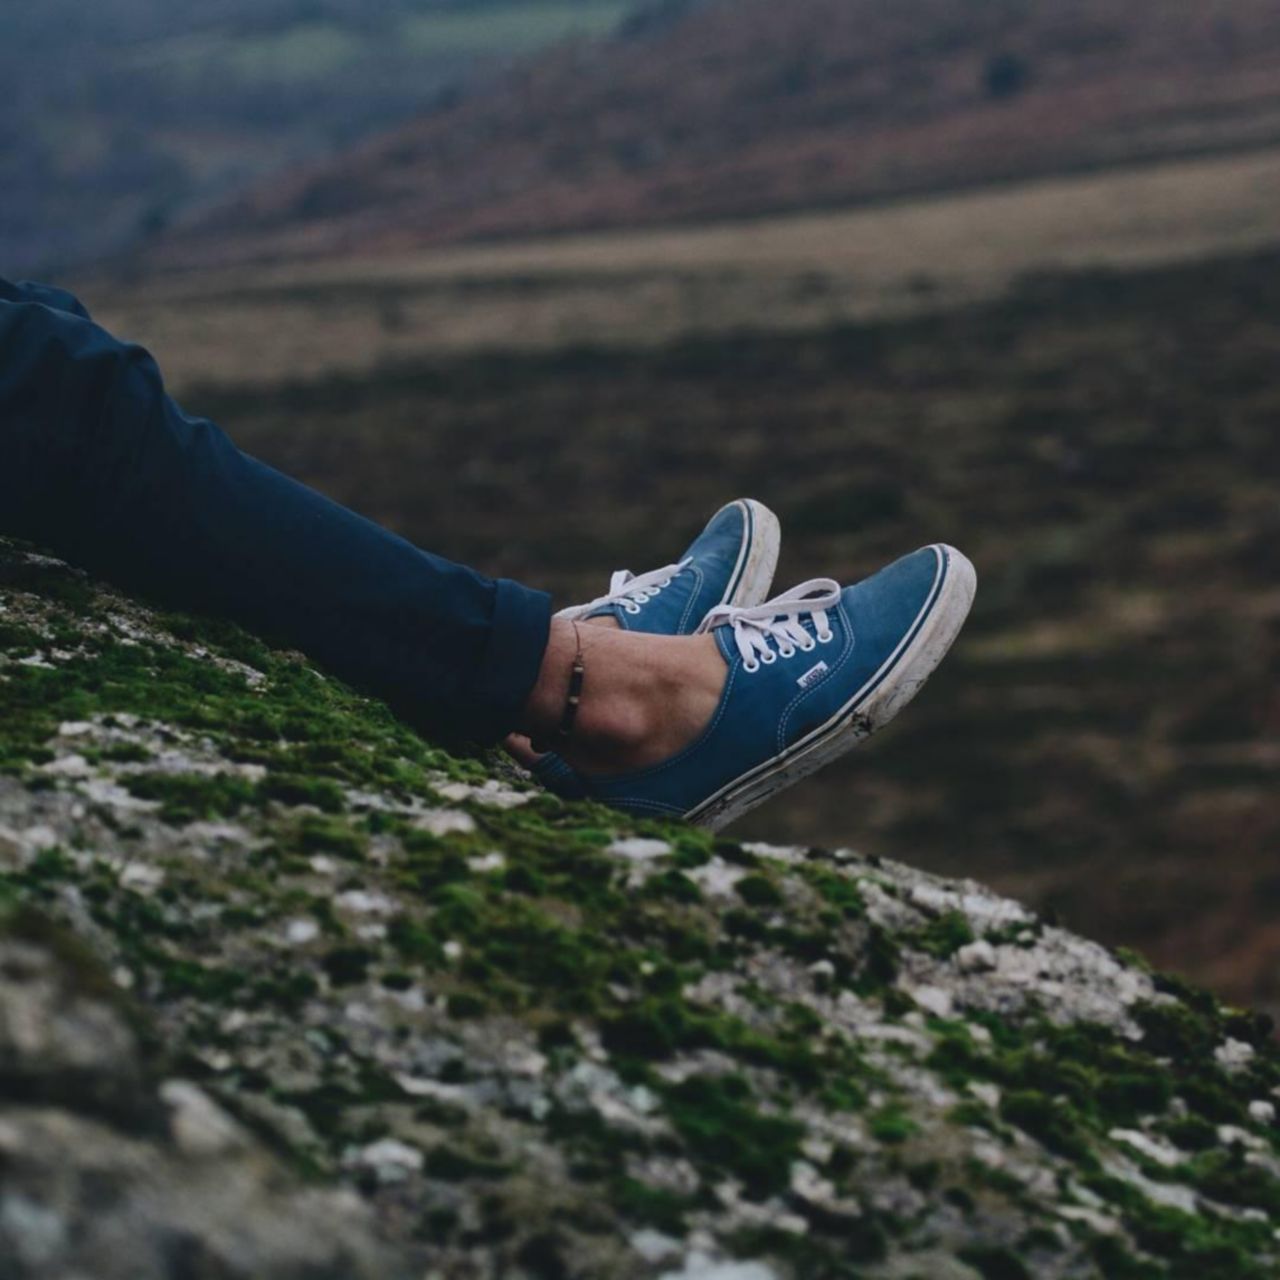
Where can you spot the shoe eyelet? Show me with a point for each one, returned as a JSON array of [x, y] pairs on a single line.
[[751, 667], [631, 608], [788, 652], [826, 638], [768, 659], [808, 648]]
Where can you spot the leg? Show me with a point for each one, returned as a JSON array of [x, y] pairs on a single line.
[[97, 462]]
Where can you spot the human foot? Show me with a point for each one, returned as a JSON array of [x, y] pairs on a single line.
[[867, 650], [731, 562], [643, 698]]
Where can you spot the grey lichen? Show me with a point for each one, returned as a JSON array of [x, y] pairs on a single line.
[[543, 1040]]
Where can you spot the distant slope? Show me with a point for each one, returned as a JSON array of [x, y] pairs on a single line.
[[264, 326], [743, 107], [120, 116]]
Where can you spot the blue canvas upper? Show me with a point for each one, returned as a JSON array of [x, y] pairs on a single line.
[[671, 602], [770, 703], [707, 574]]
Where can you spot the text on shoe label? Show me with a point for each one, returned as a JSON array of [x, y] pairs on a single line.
[[813, 675]]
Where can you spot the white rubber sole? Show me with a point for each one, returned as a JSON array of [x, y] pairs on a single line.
[[898, 681], [754, 579]]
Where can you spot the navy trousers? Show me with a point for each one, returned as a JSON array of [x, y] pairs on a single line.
[[100, 465]]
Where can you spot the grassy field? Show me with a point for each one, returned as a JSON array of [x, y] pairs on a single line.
[[650, 288], [510, 28], [308, 51], [1104, 445]]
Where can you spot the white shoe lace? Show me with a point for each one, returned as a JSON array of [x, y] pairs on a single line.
[[628, 591], [778, 622]]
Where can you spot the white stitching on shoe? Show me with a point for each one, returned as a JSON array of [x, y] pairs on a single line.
[[693, 594]]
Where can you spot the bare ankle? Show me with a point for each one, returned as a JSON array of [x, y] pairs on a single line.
[[643, 699]]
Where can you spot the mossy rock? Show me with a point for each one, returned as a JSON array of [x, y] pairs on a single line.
[[546, 1040]]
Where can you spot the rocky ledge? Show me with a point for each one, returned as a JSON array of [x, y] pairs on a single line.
[[287, 991]]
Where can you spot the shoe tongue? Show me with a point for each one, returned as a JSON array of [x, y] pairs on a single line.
[[724, 638]]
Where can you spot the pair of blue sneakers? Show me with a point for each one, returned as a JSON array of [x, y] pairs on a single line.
[[811, 672]]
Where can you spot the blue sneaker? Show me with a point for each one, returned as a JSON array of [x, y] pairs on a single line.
[[811, 673], [730, 563]]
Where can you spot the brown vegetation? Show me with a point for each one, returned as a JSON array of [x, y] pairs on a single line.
[[254, 326], [754, 106]]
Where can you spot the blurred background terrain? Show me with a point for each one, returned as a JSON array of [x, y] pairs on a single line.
[[125, 115], [1005, 274]]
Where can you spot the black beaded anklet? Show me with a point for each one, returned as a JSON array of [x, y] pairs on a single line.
[[571, 702]]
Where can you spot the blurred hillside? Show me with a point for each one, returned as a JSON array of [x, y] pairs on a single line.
[[744, 107], [119, 116]]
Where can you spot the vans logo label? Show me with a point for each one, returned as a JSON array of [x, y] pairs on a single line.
[[812, 676]]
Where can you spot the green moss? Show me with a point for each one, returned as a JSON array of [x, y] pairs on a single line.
[[415, 942], [1125, 1095], [972, 1115], [1001, 1181], [1022, 935], [1226, 1176], [1175, 1030], [189, 797], [691, 850], [840, 891], [1210, 1095], [452, 1165], [1117, 1263], [16, 638], [1191, 1132], [729, 850], [293, 789], [852, 1244], [651, 1206], [1191, 1245], [893, 1124], [758, 891], [346, 966], [995, 1262], [944, 936], [718, 1121], [466, 1004], [126, 753], [317, 833], [658, 1027], [211, 983], [287, 990], [1048, 1120], [878, 966], [673, 885], [843, 1094]]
